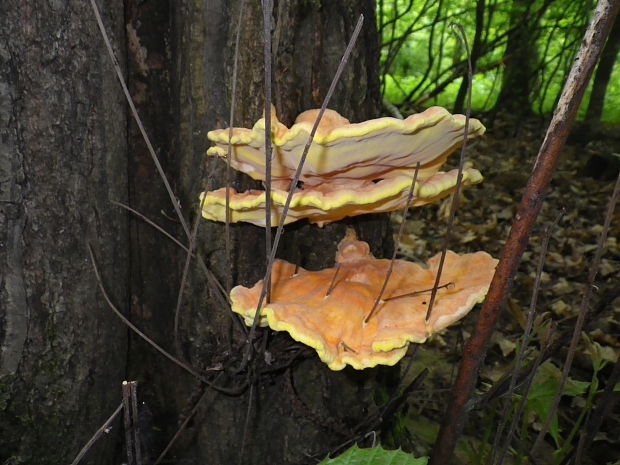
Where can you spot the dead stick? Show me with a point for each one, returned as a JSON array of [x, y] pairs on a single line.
[[267, 11], [287, 204], [135, 421], [103, 429], [127, 420], [397, 244], [233, 101], [459, 177], [604, 406], [563, 119], [520, 356], [153, 344]]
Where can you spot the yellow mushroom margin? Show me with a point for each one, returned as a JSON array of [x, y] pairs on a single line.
[[333, 201]]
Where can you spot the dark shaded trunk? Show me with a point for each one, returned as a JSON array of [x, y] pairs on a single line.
[[476, 53], [62, 157], [71, 149], [602, 75], [521, 59], [285, 426]]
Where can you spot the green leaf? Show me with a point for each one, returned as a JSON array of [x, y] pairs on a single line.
[[543, 391], [375, 456]]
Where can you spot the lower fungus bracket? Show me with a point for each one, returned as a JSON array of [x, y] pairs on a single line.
[[299, 305]]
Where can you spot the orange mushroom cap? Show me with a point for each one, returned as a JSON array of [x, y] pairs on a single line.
[[333, 201], [351, 169], [335, 324]]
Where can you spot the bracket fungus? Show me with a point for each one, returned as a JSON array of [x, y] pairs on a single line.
[[333, 201], [329, 309], [351, 169]]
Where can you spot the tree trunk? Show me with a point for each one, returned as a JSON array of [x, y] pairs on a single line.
[[476, 53], [602, 75], [514, 100], [62, 158], [284, 425], [71, 149]]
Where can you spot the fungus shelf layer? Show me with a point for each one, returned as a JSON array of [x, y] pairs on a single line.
[[351, 168], [336, 325]]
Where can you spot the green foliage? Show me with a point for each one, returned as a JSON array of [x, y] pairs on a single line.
[[543, 391], [374, 456], [422, 61], [546, 386]]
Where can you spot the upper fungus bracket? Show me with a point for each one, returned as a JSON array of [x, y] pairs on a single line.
[[351, 168], [366, 150]]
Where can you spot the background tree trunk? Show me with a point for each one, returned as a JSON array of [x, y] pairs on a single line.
[[62, 158], [520, 57], [602, 75], [476, 53]]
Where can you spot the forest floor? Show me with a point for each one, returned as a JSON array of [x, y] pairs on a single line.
[[580, 188]]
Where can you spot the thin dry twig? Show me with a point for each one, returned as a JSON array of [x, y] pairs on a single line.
[[134, 112], [332, 285], [221, 294], [182, 426], [562, 339], [459, 178], [188, 261], [604, 406], [103, 429], [153, 344], [218, 291], [521, 352], [397, 244], [246, 424], [233, 99], [289, 197], [563, 119], [583, 310], [545, 344], [136, 116], [267, 11], [423, 291]]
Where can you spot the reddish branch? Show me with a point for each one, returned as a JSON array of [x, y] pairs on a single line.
[[563, 119]]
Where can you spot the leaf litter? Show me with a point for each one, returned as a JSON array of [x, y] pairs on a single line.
[[483, 222]]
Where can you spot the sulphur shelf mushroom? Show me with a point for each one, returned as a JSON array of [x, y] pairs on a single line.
[[329, 309], [351, 169], [333, 201]]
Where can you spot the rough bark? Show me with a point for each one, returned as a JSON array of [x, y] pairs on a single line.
[[308, 41], [71, 149], [62, 157]]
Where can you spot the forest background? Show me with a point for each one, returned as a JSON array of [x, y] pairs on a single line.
[[522, 52], [73, 147]]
